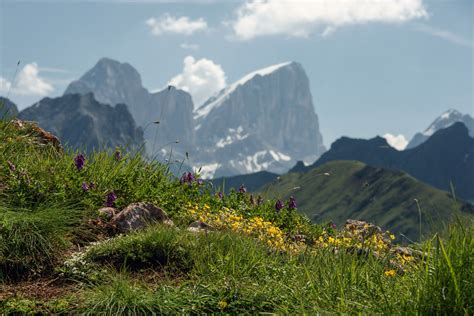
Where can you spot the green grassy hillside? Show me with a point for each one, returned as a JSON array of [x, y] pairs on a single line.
[[58, 255], [384, 197]]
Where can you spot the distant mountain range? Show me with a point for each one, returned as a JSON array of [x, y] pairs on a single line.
[[165, 116], [264, 121], [338, 190], [446, 119], [81, 122], [8, 109], [446, 158]]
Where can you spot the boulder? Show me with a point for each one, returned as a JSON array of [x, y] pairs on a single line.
[[200, 226], [107, 213], [138, 216], [41, 136]]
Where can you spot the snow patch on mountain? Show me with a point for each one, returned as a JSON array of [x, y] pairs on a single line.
[[217, 101], [234, 135]]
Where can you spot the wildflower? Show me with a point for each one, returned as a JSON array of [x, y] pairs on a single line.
[[292, 203], [199, 181], [242, 189], [85, 186], [389, 273], [222, 304], [220, 195], [79, 161], [332, 225], [117, 155], [11, 166], [187, 177], [279, 205], [110, 199]]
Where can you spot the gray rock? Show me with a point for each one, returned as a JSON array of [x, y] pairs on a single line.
[[107, 213], [138, 216], [200, 226]]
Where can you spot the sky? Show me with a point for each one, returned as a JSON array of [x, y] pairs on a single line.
[[376, 67]]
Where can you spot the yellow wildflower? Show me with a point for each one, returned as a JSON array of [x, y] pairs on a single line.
[[390, 273]]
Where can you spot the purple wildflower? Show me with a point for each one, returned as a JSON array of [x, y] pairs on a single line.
[[332, 225], [187, 177], [79, 161], [242, 189], [110, 199], [279, 205], [199, 181], [220, 195], [292, 203], [85, 187], [11, 166], [117, 155]]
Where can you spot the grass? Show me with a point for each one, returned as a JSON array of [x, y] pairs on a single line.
[[253, 262]]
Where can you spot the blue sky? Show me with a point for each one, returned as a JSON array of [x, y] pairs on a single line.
[[389, 67]]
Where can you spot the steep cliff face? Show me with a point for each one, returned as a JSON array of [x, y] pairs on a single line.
[[264, 121], [82, 122]]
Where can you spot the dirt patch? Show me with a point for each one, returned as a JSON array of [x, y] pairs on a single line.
[[42, 289]]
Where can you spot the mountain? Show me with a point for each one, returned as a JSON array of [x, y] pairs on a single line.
[[446, 119], [339, 190], [8, 109], [113, 82], [264, 121], [82, 122], [446, 157], [252, 181]]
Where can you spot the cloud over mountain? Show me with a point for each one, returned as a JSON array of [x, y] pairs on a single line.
[[28, 82], [201, 78]]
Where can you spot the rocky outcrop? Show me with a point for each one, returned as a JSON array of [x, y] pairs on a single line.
[[38, 135], [138, 216], [81, 122]]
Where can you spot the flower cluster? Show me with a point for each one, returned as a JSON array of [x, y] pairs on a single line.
[[190, 178], [79, 161], [256, 226]]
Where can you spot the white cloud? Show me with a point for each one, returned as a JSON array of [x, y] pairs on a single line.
[[398, 142], [170, 24], [301, 18], [4, 85], [201, 78], [189, 46], [446, 35], [28, 82]]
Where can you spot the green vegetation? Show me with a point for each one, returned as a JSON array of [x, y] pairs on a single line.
[[340, 190], [257, 259]]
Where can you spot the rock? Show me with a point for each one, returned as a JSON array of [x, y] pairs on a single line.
[[200, 226], [107, 213], [138, 216], [353, 225], [41, 136]]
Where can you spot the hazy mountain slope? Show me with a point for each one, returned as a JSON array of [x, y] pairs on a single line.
[[264, 121], [355, 190], [446, 119], [252, 182], [82, 122], [8, 109], [113, 82], [446, 157]]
